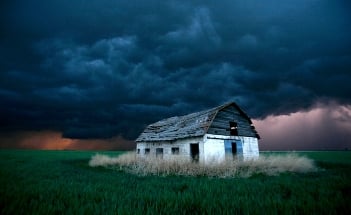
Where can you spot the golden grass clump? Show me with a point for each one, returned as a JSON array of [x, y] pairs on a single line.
[[268, 165]]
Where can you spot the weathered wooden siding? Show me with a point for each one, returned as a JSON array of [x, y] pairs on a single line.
[[220, 124]]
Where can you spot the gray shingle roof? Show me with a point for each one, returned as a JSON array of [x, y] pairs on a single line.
[[191, 125]]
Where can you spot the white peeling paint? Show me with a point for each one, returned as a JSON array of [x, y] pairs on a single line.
[[211, 148]]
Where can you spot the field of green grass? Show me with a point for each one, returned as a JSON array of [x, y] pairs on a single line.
[[62, 182]]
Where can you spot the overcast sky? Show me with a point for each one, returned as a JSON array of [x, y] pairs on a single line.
[[107, 68]]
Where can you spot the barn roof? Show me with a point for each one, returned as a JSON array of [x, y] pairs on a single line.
[[178, 127]]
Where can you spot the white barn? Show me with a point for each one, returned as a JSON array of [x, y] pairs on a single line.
[[206, 136]]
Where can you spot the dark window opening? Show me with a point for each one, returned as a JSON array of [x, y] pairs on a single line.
[[147, 151], [233, 128], [175, 151], [159, 152], [138, 151]]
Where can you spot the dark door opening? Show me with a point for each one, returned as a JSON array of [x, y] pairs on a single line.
[[234, 149], [194, 151], [159, 153]]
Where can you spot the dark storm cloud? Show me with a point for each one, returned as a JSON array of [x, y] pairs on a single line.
[[105, 68], [324, 127]]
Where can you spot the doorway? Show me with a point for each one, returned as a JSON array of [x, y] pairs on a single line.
[[159, 153], [234, 148], [194, 151]]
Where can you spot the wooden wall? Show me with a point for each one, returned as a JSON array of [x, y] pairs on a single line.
[[220, 124]]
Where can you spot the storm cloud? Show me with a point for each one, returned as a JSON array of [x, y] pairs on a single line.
[[323, 127], [104, 68]]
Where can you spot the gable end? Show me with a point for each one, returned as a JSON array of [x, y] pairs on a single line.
[[228, 115]]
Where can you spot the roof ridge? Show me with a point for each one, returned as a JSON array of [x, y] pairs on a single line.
[[183, 116]]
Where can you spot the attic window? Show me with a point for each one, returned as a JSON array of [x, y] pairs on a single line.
[[175, 151], [233, 128]]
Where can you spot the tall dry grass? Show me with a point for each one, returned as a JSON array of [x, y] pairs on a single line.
[[268, 165]]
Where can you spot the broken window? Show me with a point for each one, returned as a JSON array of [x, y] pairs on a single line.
[[233, 128], [159, 152], [175, 151], [147, 151]]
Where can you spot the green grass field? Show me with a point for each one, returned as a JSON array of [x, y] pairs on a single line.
[[61, 182]]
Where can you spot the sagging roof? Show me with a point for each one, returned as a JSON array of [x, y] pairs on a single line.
[[191, 125]]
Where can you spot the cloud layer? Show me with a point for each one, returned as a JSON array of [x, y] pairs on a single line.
[[52, 140], [104, 68], [322, 128]]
